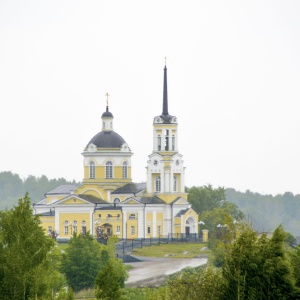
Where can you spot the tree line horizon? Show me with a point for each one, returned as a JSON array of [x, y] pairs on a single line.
[[281, 209]]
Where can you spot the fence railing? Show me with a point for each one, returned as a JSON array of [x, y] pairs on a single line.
[[125, 246]]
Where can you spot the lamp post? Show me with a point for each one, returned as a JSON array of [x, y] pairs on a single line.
[[200, 223]]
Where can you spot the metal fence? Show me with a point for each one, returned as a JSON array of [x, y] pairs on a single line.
[[125, 246]]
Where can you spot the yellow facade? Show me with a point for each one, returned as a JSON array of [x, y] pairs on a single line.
[[107, 202]]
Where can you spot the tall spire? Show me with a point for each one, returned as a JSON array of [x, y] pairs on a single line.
[[165, 96]]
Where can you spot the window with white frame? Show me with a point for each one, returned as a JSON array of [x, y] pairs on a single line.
[[159, 230], [175, 184], [125, 170], [66, 230], [75, 226], [159, 143], [132, 230], [157, 184], [118, 229], [149, 229], [109, 169], [173, 142], [83, 227], [92, 170]]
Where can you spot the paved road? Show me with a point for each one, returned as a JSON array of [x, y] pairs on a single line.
[[153, 271]]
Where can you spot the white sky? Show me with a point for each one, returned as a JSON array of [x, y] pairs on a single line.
[[233, 83]]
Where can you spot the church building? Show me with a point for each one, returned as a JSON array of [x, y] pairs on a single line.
[[107, 202]]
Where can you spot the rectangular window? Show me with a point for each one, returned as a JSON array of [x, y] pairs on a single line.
[[118, 229], [49, 228], [99, 215], [132, 230], [83, 230], [149, 229], [75, 229], [66, 230], [125, 170]]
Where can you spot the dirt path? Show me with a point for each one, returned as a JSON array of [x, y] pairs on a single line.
[[153, 271]]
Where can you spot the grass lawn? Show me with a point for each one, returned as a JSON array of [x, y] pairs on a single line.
[[180, 250]]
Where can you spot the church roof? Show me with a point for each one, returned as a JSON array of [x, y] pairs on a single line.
[[107, 139], [92, 199], [107, 113], [152, 200], [130, 188], [48, 213], [63, 189], [181, 212]]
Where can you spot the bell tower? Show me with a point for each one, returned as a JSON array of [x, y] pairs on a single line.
[[165, 170]]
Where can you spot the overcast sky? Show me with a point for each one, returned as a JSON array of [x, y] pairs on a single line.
[[233, 83]]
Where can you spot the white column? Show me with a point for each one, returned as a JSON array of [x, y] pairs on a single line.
[[167, 181], [57, 222], [154, 227], [124, 225], [91, 223], [162, 179]]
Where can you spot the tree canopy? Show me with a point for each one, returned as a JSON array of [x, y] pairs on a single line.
[[82, 261], [24, 250], [12, 187]]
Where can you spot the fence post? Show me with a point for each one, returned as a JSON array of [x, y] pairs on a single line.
[[132, 245], [123, 247]]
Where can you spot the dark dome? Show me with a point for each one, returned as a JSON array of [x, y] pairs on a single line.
[[107, 114], [107, 139]]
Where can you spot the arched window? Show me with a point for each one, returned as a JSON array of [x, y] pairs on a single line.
[[173, 142], [125, 170], [175, 184], [92, 170], [159, 143], [167, 139], [117, 200], [109, 169], [157, 184]]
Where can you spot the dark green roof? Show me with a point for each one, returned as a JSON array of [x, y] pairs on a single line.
[[91, 199], [130, 188], [152, 200], [182, 212]]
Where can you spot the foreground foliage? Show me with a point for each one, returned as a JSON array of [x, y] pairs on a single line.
[[82, 261], [26, 264]]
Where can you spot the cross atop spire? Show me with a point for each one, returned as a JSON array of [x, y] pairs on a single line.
[[107, 95]]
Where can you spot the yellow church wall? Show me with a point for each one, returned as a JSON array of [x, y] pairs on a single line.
[[177, 225], [46, 222], [71, 217], [149, 225], [73, 201], [112, 217], [159, 224], [132, 226], [168, 198]]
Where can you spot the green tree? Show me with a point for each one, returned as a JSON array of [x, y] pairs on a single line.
[[205, 198], [258, 268], [203, 284], [110, 281], [82, 261], [24, 248]]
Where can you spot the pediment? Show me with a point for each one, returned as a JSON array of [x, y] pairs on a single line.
[[180, 201], [72, 200], [131, 201]]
